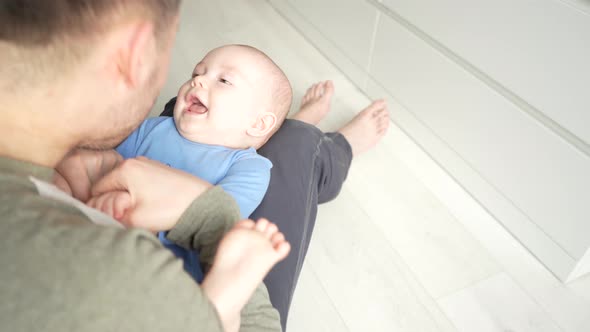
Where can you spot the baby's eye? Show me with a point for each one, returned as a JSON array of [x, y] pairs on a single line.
[[224, 81], [194, 75]]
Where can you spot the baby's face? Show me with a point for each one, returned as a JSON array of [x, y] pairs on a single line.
[[223, 98]]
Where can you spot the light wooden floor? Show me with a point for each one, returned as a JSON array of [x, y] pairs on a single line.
[[403, 248]]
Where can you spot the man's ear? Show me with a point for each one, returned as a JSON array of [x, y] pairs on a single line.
[[135, 47], [264, 124]]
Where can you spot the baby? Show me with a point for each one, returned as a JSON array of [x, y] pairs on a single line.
[[235, 100]]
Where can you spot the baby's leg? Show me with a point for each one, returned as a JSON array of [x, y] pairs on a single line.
[[315, 103], [244, 257], [367, 128]]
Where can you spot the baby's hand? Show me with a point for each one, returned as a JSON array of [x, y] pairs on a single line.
[[81, 169], [114, 203]]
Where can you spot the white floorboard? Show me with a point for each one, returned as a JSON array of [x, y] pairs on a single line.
[[313, 309], [497, 304], [442, 254], [368, 282]]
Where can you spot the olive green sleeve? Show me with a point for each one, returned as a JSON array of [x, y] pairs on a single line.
[[201, 228], [204, 223], [61, 272]]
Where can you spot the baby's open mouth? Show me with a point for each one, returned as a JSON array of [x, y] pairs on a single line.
[[196, 106]]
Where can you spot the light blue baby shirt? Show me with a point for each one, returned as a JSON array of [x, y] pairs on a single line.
[[241, 173]]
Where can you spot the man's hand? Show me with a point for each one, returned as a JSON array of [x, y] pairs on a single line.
[[81, 169], [146, 194]]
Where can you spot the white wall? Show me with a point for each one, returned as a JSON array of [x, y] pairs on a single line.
[[497, 92]]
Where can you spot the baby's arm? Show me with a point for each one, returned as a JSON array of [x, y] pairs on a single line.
[[247, 181]]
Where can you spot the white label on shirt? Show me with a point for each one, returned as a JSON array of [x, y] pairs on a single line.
[[50, 190]]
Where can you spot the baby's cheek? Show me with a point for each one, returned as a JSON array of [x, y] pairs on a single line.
[[183, 89]]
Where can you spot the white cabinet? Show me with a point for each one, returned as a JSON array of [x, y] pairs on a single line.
[[544, 179], [536, 50], [341, 29], [497, 92]]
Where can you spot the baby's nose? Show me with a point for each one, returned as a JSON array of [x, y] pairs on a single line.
[[198, 81]]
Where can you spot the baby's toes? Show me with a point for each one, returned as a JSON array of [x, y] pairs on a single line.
[[306, 96], [261, 225], [282, 250], [383, 124], [314, 91], [271, 229], [277, 239], [377, 104], [379, 111], [328, 88]]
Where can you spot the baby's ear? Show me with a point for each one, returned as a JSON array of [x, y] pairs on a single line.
[[264, 124]]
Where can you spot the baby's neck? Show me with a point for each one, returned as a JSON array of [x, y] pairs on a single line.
[[226, 144]]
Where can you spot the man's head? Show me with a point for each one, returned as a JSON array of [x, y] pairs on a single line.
[[102, 62], [237, 97]]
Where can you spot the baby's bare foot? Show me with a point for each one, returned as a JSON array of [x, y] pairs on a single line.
[[316, 103], [367, 128], [244, 257]]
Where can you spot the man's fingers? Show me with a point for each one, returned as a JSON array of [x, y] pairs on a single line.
[[139, 186], [120, 178], [123, 203], [116, 180]]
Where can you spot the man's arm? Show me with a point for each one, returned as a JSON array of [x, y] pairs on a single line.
[[216, 218], [161, 198], [64, 273], [157, 193], [215, 213]]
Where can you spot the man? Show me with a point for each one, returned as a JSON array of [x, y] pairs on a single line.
[[84, 74]]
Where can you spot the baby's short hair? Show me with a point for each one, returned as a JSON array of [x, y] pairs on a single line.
[[281, 90]]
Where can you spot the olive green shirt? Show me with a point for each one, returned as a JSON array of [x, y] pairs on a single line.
[[61, 272]]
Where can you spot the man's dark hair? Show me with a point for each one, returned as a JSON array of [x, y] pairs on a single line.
[[42, 22], [43, 39]]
